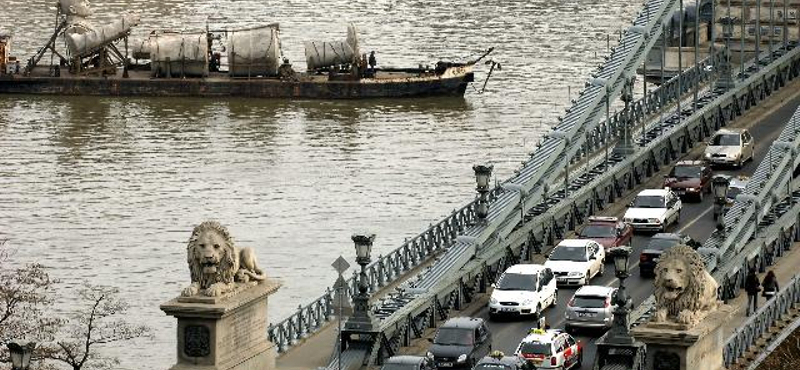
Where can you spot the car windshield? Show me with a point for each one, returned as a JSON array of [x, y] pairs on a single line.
[[649, 201], [726, 139], [535, 348], [662, 243], [686, 171], [400, 367], [733, 192], [454, 337], [517, 282], [562, 253], [598, 231], [589, 302]]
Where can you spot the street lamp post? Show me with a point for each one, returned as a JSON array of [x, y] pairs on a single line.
[[20, 355], [617, 346], [482, 175], [625, 147], [361, 320]]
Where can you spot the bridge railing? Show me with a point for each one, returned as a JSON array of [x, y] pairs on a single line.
[[759, 323]]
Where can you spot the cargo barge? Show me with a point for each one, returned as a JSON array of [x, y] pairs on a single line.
[[102, 61]]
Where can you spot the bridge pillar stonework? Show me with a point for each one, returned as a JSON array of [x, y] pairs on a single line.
[[222, 315]]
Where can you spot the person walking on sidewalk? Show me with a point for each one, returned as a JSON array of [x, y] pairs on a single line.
[[752, 286], [770, 285]]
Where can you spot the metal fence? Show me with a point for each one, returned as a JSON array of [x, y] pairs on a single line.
[[761, 321]]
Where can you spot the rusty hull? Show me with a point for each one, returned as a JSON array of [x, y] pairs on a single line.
[[453, 82]]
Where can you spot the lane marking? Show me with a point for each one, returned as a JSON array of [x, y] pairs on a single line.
[[694, 220]]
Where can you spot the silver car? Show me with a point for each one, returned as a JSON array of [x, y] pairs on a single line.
[[590, 308]]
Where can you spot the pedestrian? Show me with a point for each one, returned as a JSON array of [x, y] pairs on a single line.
[[16, 67], [770, 285], [752, 286], [372, 61]]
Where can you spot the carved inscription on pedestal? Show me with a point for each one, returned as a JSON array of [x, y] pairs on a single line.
[[197, 341], [666, 361]]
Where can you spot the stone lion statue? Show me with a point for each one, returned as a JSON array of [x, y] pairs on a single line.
[[684, 291], [216, 264]]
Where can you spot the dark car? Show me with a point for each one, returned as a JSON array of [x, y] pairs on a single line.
[[408, 363], [498, 361], [658, 244], [689, 179], [610, 232], [460, 343]]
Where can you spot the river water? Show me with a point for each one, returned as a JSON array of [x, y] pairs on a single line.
[[107, 190]]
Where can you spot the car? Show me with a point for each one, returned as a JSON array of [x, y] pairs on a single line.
[[551, 349], [730, 147], [460, 342], [736, 186], [590, 308], [610, 232], [689, 179], [576, 261], [406, 362], [523, 290], [499, 361], [653, 210], [659, 243]]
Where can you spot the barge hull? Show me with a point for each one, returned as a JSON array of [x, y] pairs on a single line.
[[253, 88]]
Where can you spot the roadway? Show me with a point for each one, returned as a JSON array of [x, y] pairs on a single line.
[[696, 221]]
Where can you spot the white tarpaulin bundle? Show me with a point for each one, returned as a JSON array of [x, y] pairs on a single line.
[[83, 39], [321, 54], [179, 54], [254, 52]]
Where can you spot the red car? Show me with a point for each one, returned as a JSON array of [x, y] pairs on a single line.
[[689, 179], [610, 232]]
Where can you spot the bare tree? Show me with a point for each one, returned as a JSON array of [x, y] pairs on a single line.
[[24, 293], [98, 324], [786, 356]]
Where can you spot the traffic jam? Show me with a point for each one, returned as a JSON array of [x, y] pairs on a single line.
[[528, 292]]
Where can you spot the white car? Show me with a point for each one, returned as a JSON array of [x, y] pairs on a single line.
[[576, 261], [654, 210], [730, 147], [551, 349], [523, 289]]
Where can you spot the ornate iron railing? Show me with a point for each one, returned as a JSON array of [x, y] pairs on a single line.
[[761, 321]]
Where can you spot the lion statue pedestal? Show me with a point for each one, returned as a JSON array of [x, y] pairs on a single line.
[[685, 332], [222, 315]]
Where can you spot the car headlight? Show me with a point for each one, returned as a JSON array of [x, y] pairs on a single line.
[[527, 302], [493, 300], [708, 155], [462, 358], [429, 355], [653, 220], [575, 273], [628, 220], [693, 189]]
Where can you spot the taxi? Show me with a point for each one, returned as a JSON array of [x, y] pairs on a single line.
[[551, 349]]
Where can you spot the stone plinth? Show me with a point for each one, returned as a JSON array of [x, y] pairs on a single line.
[[224, 333], [675, 347]]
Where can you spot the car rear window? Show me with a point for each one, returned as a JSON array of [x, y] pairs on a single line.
[[589, 301], [535, 348]]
